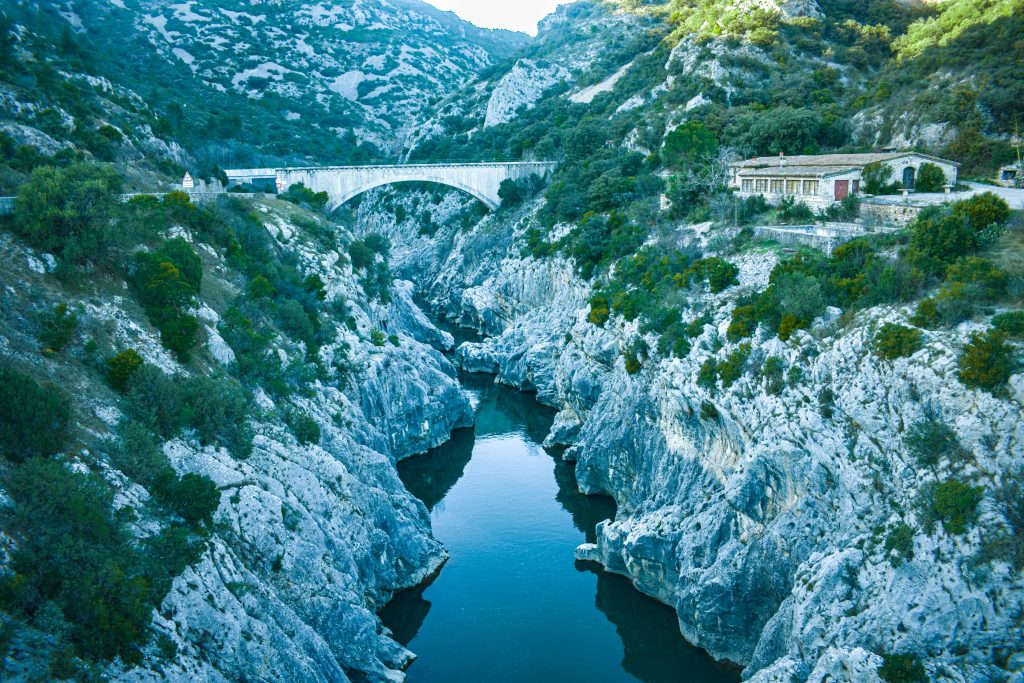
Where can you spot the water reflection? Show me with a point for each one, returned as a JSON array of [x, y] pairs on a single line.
[[511, 604], [405, 613], [430, 476], [654, 650], [586, 511]]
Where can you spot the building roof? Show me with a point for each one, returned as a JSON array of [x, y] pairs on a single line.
[[792, 170], [857, 160]]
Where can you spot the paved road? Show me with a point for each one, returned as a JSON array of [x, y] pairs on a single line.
[[1013, 197]]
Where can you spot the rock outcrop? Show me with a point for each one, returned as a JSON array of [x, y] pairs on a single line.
[[761, 517]]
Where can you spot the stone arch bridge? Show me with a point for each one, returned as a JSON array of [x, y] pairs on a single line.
[[342, 183]]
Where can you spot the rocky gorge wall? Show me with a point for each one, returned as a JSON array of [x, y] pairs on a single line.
[[309, 540], [760, 518]]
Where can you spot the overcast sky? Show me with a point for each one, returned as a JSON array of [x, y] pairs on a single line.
[[517, 15]]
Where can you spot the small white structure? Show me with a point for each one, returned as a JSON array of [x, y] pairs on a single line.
[[1011, 175], [187, 183], [820, 180]]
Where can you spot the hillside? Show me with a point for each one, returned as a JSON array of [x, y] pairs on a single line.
[[815, 455], [200, 85]]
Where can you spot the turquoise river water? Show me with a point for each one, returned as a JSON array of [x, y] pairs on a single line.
[[512, 604]]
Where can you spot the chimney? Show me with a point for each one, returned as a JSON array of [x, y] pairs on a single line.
[[782, 160]]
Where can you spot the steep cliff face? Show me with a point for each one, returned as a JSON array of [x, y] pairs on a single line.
[[760, 514], [311, 536]]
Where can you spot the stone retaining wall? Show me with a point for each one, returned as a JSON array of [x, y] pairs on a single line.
[[825, 236], [892, 212]]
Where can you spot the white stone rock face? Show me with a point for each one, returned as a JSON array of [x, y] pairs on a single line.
[[521, 87], [761, 525], [309, 541]]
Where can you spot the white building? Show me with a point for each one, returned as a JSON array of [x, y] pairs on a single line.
[[820, 180]]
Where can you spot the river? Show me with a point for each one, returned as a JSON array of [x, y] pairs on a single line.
[[512, 604]]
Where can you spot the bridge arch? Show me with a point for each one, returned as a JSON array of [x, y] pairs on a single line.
[[492, 203], [342, 183]]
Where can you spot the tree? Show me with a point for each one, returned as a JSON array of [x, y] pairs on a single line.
[[69, 211], [34, 417], [121, 367], [982, 210], [510, 193], [195, 497], [930, 178], [876, 177], [72, 550], [783, 129], [689, 143]]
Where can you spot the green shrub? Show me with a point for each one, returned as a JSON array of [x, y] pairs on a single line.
[[899, 544], [926, 314], [742, 324], [708, 411], [633, 364], [360, 255], [178, 333], [984, 281], [902, 669], [929, 441], [955, 504], [826, 403], [773, 375], [987, 361], [792, 212], [121, 366], [377, 337], [936, 238], [896, 341], [137, 453], [719, 273], [195, 497], [982, 210], [930, 178], [303, 427], [599, 311], [734, 365], [260, 288], [34, 417], [298, 193], [179, 252], [58, 329], [164, 290], [707, 376], [1011, 323], [217, 409], [77, 555]]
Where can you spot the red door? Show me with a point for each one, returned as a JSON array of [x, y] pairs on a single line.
[[842, 189]]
